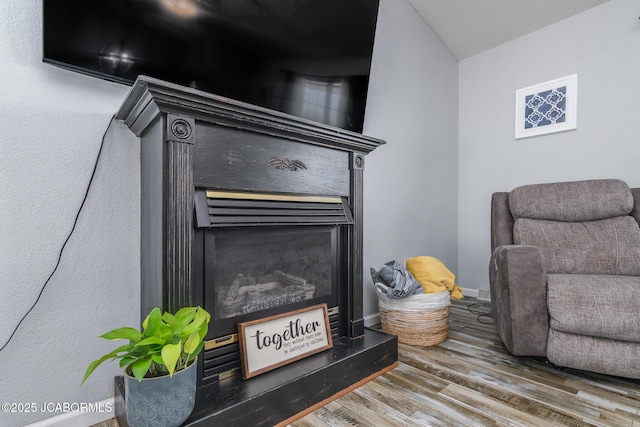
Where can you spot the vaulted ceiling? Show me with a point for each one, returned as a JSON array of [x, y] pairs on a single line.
[[469, 27]]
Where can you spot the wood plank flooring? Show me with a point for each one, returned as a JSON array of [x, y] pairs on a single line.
[[471, 380]]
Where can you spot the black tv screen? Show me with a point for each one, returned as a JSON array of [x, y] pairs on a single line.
[[308, 58]]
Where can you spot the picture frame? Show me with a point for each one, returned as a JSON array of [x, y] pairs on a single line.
[[547, 107], [275, 341]]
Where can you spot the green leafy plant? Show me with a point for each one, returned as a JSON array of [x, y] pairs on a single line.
[[168, 343]]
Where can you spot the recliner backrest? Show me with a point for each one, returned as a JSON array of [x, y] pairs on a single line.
[[572, 201], [582, 227]]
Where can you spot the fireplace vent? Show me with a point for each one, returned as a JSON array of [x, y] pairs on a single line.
[[234, 209]]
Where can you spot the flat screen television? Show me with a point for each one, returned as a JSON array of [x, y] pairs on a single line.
[[308, 58]]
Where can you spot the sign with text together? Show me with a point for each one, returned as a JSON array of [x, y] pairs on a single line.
[[269, 343]]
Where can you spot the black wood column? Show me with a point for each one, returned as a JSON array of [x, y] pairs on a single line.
[[355, 303], [178, 208]]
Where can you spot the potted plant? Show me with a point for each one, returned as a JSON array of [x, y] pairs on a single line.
[[160, 374]]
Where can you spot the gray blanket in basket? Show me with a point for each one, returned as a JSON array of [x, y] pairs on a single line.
[[400, 282]]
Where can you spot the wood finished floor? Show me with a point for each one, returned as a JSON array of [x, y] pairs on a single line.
[[471, 380]]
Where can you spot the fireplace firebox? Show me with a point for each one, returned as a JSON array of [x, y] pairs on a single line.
[[255, 272], [250, 212]]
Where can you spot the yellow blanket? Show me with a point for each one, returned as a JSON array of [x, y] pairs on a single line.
[[433, 275]]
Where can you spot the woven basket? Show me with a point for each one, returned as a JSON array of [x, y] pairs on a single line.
[[421, 319]]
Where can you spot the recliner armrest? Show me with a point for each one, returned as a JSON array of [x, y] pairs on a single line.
[[519, 299]]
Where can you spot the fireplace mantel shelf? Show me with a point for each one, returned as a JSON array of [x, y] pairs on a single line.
[[150, 97]]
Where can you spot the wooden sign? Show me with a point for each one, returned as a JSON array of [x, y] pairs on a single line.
[[269, 343]]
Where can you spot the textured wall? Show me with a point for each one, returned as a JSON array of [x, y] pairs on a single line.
[[601, 45], [52, 124], [411, 183]]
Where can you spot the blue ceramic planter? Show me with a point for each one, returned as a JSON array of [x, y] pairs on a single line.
[[160, 402]]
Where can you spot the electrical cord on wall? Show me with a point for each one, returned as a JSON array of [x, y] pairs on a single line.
[[75, 222]]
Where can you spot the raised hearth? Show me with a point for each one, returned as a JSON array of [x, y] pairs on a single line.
[[250, 212], [291, 391]]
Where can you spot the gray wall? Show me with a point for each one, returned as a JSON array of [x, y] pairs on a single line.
[[51, 126], [411, 182], [52, 123], [601, 45]]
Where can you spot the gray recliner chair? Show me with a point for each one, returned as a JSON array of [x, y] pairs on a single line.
[[565, 274]]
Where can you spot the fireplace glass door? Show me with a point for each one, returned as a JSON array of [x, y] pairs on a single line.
[[255, 272]]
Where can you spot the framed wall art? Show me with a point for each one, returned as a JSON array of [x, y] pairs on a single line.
[[547, 107]]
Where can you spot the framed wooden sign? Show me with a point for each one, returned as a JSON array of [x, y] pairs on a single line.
[[269, 343]]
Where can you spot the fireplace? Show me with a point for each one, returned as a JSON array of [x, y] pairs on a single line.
[[258, 272], [264, 254], [249, 213]]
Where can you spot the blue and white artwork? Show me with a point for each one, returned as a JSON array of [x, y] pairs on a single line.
[[547, 107]]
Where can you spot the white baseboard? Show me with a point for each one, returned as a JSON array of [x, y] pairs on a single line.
[[102, 411], [484, 295], [472, 293], [481, 294], [372, 319]]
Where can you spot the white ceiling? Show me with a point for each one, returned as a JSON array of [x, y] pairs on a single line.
[[469, 27]]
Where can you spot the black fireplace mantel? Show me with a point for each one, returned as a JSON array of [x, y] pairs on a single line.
[[192, 140], [178, 129]]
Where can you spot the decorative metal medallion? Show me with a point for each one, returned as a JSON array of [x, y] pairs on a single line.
[[181, 129], [283, 163]]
